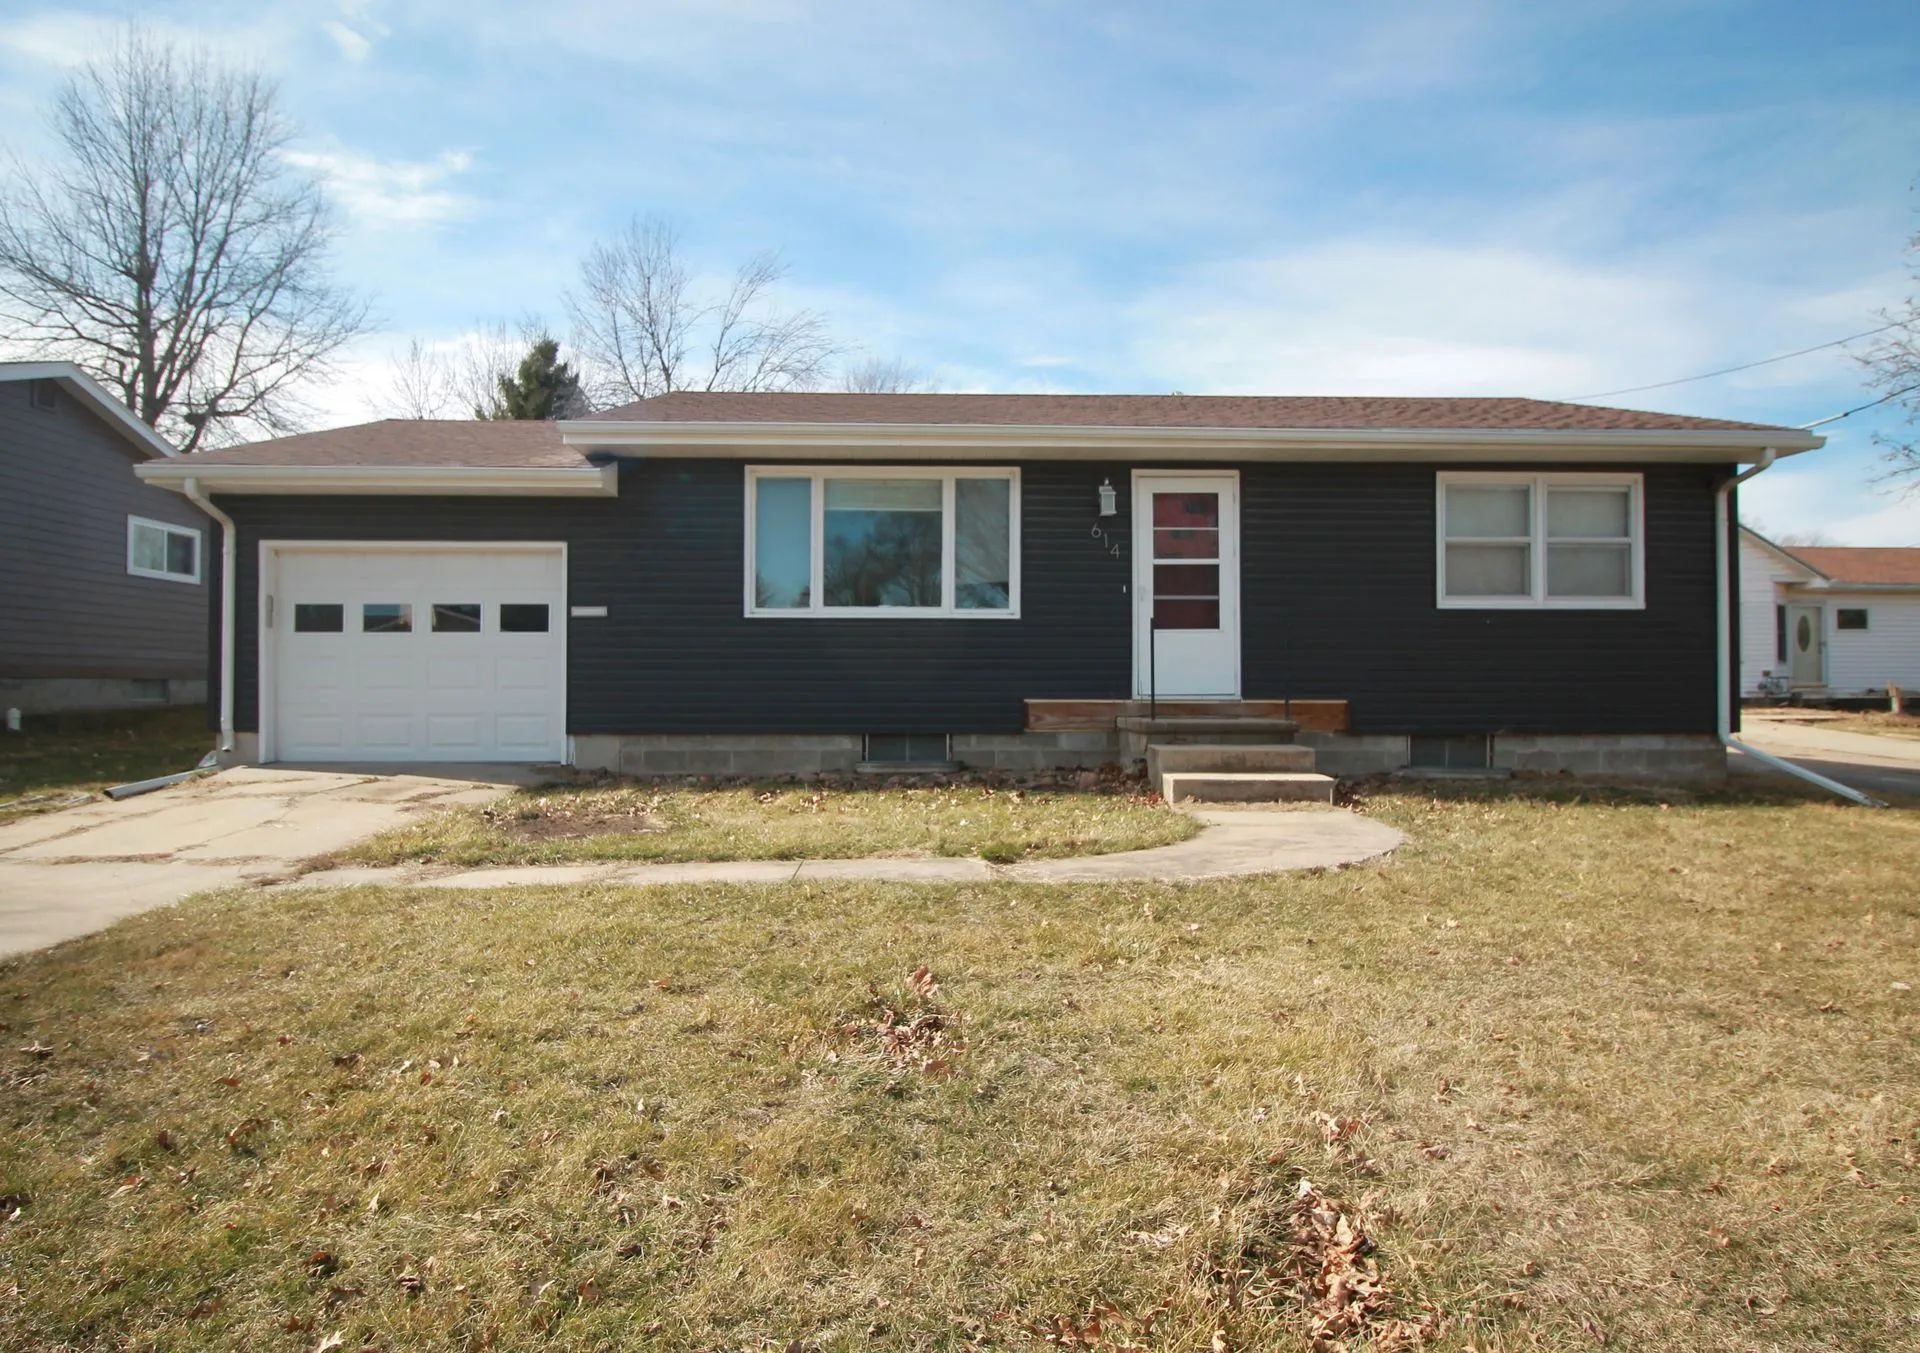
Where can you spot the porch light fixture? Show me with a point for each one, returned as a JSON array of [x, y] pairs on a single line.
[[1108, 507]]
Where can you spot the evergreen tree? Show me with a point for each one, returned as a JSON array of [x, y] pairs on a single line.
[[542, 387]]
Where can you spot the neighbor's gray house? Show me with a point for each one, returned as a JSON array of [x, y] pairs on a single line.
[[105, 598], [1825, 621], [763, 582]]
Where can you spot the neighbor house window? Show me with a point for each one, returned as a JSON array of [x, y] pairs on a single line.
[[1845, 619], [1552, 540], [158, 549], [882, 541]]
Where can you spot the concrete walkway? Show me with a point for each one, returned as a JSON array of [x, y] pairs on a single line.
[[1873, 763], [1233, 842], [70, 873], [75, 871]]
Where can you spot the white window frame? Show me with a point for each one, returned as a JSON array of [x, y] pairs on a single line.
[[134, 524], [948, 475], [1538, 485]]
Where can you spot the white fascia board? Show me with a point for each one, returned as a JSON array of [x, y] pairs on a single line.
[[1829, 587], [882, 441], [414, 480], [92, 392], [1781, 552]]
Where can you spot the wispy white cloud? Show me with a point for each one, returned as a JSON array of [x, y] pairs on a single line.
[[380, 192], [353, 44], [356, 30]]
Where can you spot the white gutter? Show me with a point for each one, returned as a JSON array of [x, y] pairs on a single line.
[[229, 561], [1074, 442], [514, 481], [1724, 619]]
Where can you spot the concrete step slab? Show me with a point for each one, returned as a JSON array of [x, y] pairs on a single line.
[[1167, 757], [1247, 787]]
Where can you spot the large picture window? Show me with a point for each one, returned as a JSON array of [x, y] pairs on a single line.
[[883, 541], [1571, 541]]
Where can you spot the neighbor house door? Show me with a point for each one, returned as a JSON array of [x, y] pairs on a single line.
[[1806, 645], [1186, 584]]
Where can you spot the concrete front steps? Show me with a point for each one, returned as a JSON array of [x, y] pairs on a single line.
[[1236, 772]]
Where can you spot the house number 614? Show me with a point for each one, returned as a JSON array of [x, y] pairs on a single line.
[[1110, 545]]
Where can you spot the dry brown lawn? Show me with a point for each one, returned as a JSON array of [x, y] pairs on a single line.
[[1564, 1073], [999, 819], [58, 759]]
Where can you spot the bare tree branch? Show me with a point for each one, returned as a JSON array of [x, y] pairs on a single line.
[[641, 329], [451, 380], [886, 376], [1893, 364], [169, 251]]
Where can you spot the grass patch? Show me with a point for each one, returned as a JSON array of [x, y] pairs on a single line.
[[58, 756], [1565, 1071], [815, 820]]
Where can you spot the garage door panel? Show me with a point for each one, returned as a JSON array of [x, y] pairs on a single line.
[[523, 674], [447, 675], [455, 693], [452, 735]]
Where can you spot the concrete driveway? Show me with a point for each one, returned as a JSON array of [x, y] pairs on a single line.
[[73, 872], [1876, 764]]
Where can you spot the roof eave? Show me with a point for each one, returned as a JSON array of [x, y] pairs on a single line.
[[532, 481], [1783, 552], [1055, 442], [91, 392]]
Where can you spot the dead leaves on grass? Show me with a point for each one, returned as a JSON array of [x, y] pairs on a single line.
[[1315, 1259], [906, 1031]]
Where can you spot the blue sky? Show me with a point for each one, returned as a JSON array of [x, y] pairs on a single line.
[[1416, 198]]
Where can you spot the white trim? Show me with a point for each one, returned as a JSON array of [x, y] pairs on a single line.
[[91, 392], [864, 441], [1142, 593], [1539, 486], [267, 581], [134, 524], [587, 481], [818, 474]]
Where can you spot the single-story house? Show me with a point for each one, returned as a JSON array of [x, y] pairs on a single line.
[[766, 582], [1827, 620], [104, 599]]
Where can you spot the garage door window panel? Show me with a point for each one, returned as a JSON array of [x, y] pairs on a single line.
[[523, 618], [386, 617], [311, 617], [456, 617]]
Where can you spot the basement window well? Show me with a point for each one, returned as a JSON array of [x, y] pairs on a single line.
[[1450, 751], [906, 751]]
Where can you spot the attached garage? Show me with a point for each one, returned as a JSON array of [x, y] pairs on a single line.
[[413, 652]]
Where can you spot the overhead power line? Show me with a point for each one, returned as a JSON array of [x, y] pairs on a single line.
[[1744, 366], [1834, 418]]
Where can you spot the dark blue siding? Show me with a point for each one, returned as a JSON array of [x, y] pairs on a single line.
[[1338, 588]]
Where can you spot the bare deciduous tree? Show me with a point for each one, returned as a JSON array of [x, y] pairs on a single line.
[[1894, 366], [644, 327], [169, 250], [886, 376], [456, 378]]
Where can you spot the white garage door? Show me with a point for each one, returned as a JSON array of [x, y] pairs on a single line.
[[418, 655]]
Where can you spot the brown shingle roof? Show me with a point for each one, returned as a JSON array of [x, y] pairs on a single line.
[[1856, 564], [410, 441], [1200, 411], [490, 445]]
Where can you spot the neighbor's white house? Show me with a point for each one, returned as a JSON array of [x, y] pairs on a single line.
[[1827, 620]]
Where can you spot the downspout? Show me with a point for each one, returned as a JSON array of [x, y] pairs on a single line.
[[229, 558], [1724, 619]]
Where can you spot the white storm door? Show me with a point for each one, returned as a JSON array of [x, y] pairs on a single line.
[[403, 654], [1186, 585]]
